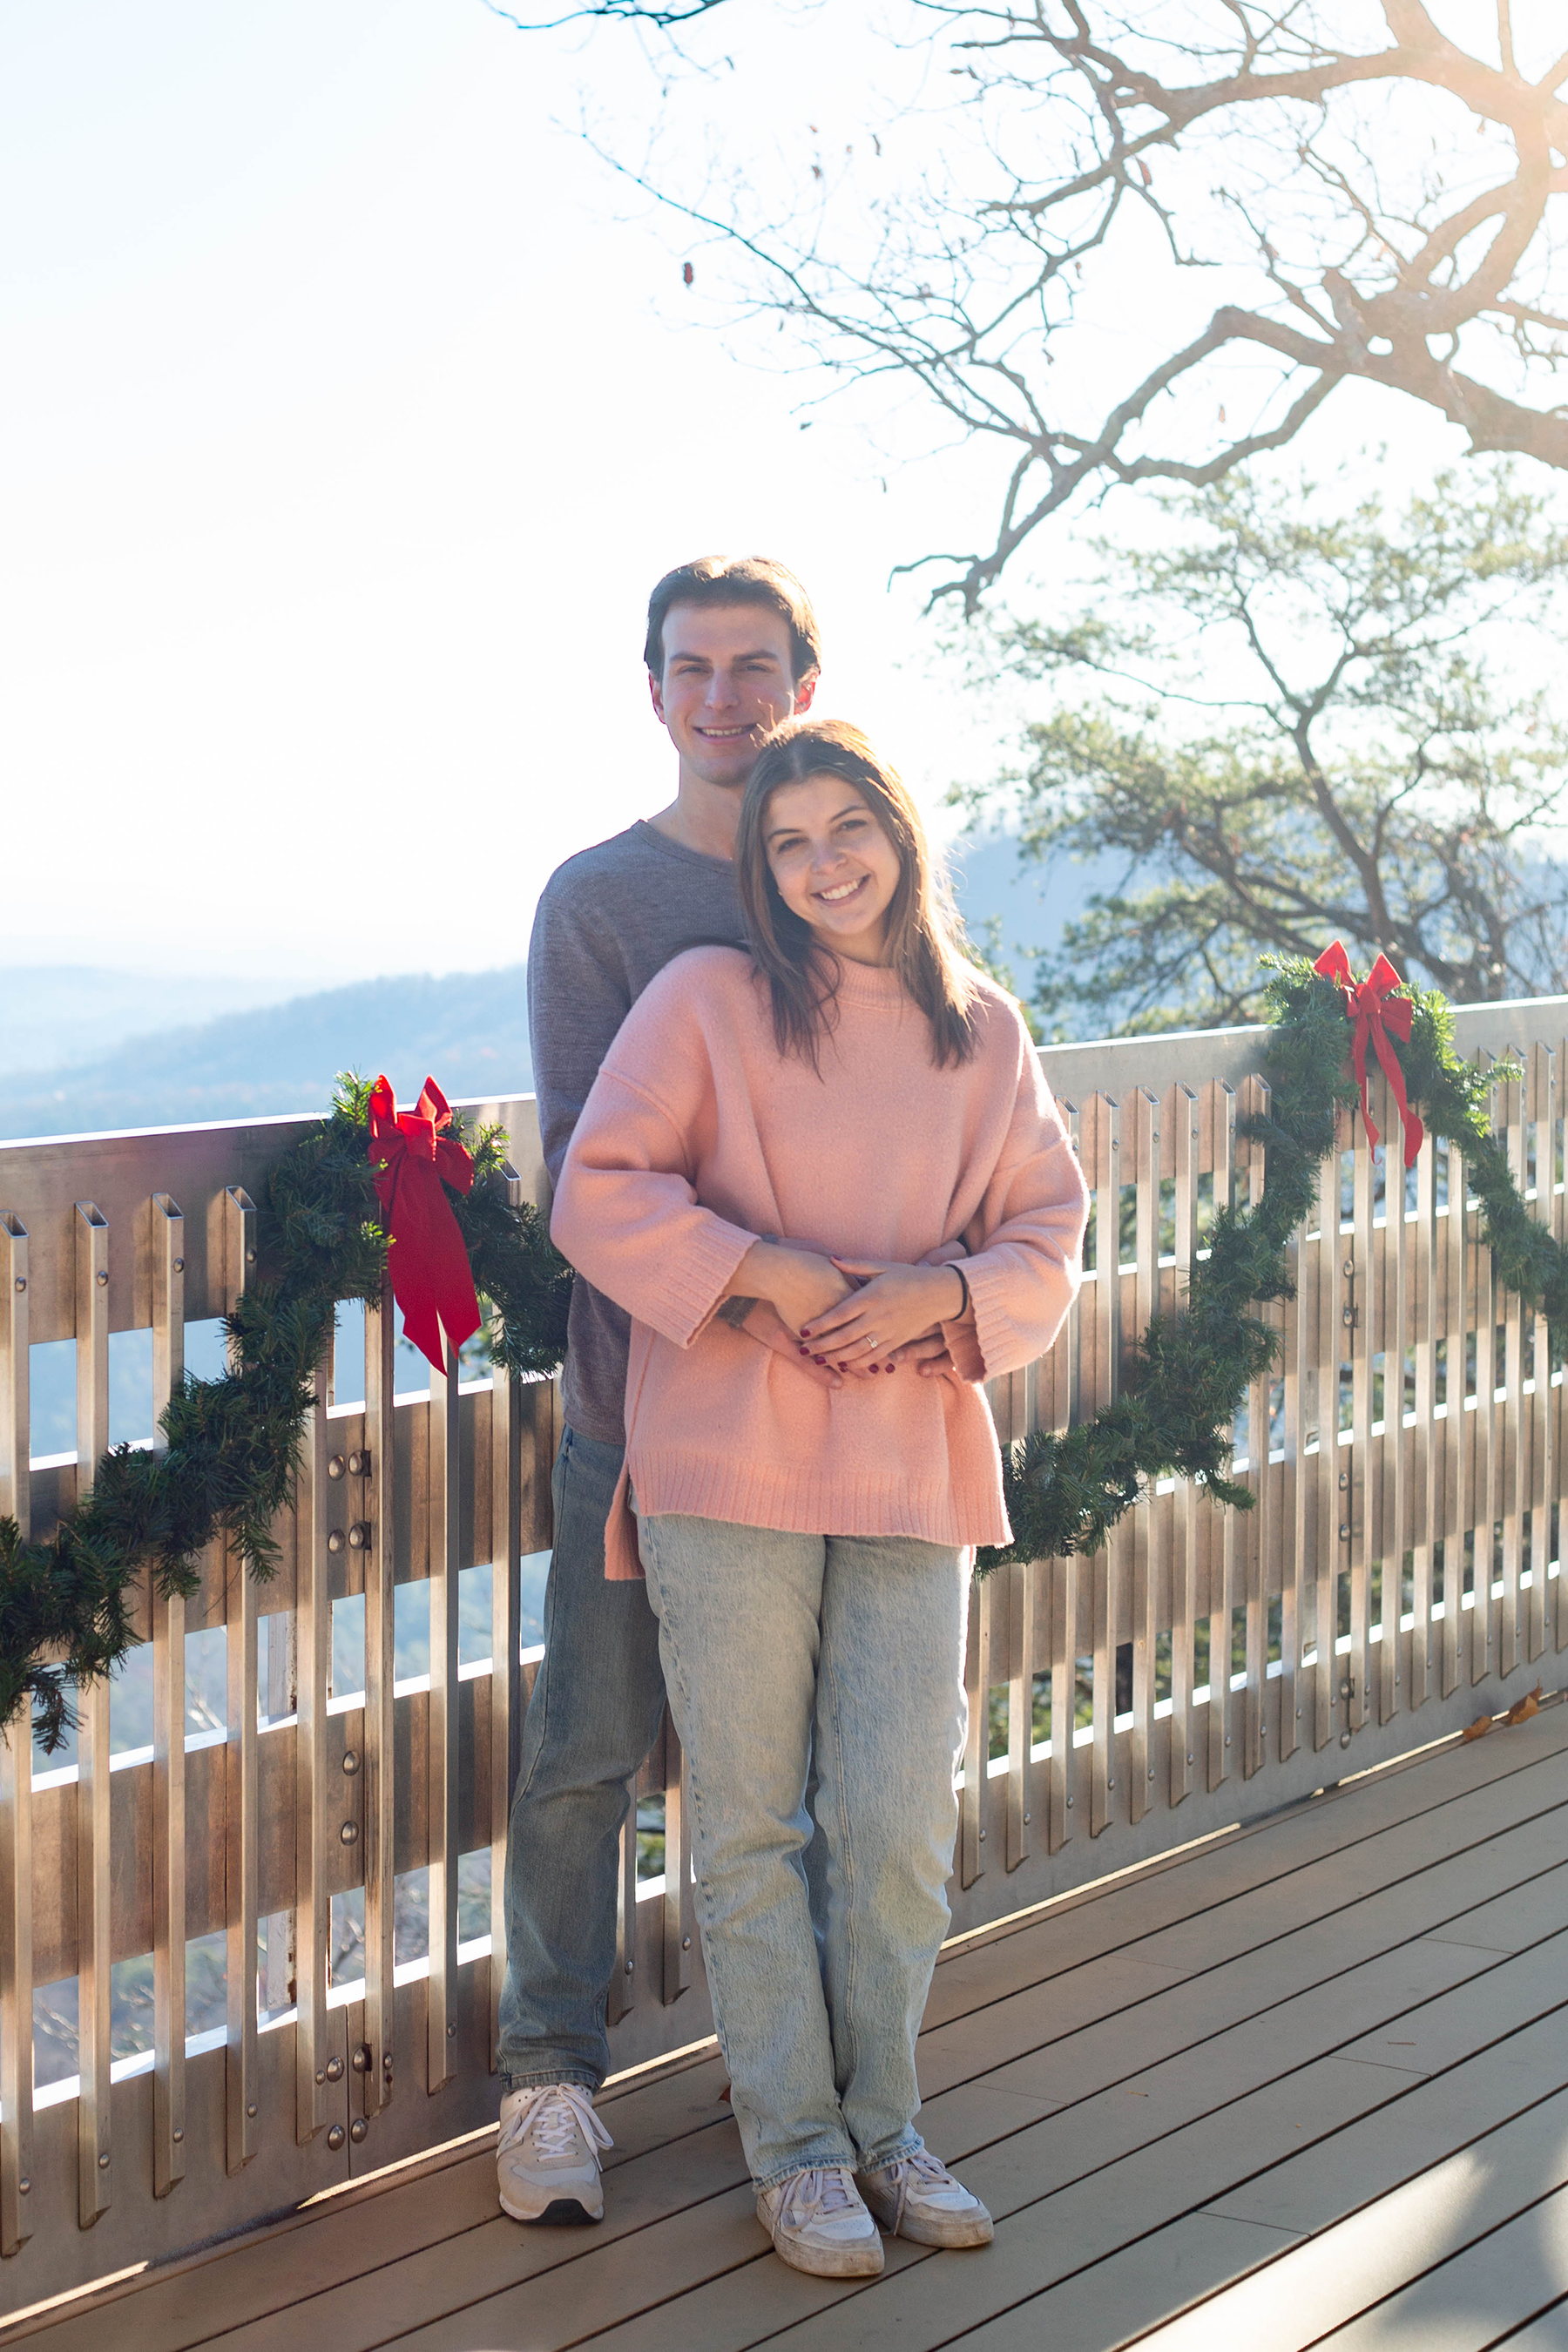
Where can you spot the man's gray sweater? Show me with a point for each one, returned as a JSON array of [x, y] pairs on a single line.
[[609, 920]]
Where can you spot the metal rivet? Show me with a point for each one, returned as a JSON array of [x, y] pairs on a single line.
[[250, 2111], [103, 2163], [334, 2070], [1349, 1270], [359, 1535], [179, 1265], [358, 2129], [1227, 1739], [335, 1465], [1151, 1771], [335, 1540], [21, 1282], [1344, 1480], [685, 1940], [361, 2059], [250, 1257], [22, 2187], [320, 2078], [350, 1832], [1298, 1715], [101, 1276], [336, 2137], [178, 2137], [387, 2065], [451, 2030], [1189, 1760], [628, 1968], [1025, 1820], [351, 1760], [1344, 1739], [1109, 1784], [1345, 1533], [359, 1463]]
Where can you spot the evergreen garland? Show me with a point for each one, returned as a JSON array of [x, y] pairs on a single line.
[[229, 1466], [1187, 1374]]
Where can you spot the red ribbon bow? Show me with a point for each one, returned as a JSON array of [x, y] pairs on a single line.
[[1376, 1013], [431, 1280]]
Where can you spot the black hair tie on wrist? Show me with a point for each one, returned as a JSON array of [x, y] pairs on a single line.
[[963, 1285]]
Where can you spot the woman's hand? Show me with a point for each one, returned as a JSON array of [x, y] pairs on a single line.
[[895, 1304]]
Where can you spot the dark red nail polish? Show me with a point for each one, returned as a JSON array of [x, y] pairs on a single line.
[[819, 1359]]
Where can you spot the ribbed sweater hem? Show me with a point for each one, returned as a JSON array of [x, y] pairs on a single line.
[[806, 1501]]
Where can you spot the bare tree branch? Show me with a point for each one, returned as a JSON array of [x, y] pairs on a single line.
[[1349, 257]]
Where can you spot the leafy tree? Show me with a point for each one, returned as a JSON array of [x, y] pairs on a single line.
[[1149, 242], [1293, 724]]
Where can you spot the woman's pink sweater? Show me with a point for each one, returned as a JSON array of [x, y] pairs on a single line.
[[699, 1137]]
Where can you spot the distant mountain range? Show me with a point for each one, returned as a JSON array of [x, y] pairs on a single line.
[[469, 1029], [82, 1050]]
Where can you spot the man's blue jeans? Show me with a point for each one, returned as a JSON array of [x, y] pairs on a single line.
[[593, 1716]]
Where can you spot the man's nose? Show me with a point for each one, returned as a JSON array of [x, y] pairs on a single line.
[[723, 691]]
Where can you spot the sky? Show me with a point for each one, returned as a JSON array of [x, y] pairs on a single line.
[[354, 420], [352, 406]]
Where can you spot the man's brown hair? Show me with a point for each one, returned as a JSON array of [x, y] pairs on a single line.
[[922, 941], [737, 580]]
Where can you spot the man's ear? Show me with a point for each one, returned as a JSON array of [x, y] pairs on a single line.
[[805, 687], [656, 697]]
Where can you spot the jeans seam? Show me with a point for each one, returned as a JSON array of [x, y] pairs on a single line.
[[533, 2082], [826, 1673]]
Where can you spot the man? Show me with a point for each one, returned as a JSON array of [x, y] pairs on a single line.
[[732, 651]]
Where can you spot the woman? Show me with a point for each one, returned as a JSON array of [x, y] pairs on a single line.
[[851, 1123]]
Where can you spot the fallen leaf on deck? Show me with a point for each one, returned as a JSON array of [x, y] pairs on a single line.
[[1478, 1729], [1523, 1708]]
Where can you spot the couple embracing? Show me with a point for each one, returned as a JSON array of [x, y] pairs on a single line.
[[817, 1191]]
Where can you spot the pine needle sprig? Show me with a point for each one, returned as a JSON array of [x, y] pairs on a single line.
[[229, 1461]]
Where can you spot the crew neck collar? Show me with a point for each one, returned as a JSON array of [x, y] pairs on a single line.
[[869, 983], [661, 841]]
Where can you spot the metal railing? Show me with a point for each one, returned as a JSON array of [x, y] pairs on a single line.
[[328, 1839]]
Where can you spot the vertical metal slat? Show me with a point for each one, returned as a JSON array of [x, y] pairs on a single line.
[[1144, 1560], [1108, 1570], [1185, 1518], [1222, 1118], [679, 1921]]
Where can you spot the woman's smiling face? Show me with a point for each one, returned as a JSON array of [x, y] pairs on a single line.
[[834, 865]]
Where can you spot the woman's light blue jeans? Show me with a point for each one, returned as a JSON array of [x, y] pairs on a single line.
[[771, 1640]]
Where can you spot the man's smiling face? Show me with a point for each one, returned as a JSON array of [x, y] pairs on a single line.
[[727, 683]]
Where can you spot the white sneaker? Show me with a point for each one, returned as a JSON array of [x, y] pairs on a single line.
[[818, 2223], [548, 2154], [918, 2198]]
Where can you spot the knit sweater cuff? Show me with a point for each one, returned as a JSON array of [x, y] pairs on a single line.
[[963, 1346], [681, 1301]]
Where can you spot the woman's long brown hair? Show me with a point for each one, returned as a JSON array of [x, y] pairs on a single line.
[[801, 972]]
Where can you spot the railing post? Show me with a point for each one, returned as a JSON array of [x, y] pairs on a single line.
[[1107, 1568], [441, 1755], [95, 2190], [16, 1775], [168, 1619], [242, 1761], [379, 1733]]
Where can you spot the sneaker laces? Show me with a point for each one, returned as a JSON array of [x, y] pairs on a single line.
[[903, 2175], [555, 2112], [817, 2194]]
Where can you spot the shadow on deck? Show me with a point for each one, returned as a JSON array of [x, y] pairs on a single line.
[[1303, 2084]]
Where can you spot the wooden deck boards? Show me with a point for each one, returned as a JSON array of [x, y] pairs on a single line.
[[1310, 2079]]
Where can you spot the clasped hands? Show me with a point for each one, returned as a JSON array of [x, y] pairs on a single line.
[[854, 1316]]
